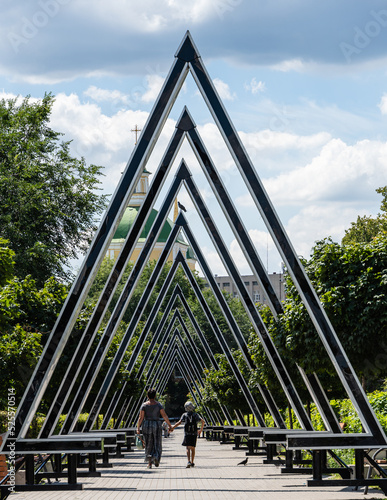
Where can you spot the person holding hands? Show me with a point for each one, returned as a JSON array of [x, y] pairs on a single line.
[[190, 420], [149, 418]]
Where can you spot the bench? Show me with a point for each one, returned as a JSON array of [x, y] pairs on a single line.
[[120, 440], [70, 446], [293, 455], [240, 433], [320, 440], [255, 436]]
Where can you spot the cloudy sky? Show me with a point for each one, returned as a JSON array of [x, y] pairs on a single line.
[[303, 82]]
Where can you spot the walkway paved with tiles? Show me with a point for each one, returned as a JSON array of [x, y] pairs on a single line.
[[216, 476]]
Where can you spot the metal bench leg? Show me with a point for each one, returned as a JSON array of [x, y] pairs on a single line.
[[58, 462], [72, 468], [92, 462], [289, 459], [271, 449], [317, 465], [359, 464], [30, 469]]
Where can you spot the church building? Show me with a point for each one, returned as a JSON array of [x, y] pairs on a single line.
[[128, 219]]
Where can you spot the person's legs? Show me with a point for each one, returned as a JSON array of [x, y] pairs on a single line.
[[153, 442], [190, 453], [193, 449], [158, 447], [147, 433], [149, 449]]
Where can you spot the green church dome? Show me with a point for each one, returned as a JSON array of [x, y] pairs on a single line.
[[127, 222]]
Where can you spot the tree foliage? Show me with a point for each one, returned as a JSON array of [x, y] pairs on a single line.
[[6, 262], [48, 202], [351, 283], [27, 315], [221, 387], [366, 227]]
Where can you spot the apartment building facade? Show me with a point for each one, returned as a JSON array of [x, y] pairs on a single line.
[[253, 287]]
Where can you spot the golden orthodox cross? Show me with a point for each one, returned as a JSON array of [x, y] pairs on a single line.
[[136, 130]]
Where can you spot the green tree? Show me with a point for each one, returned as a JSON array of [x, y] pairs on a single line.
[[48, 202], [27, 315], [221, 387], [351, 283], [365, 228], [6, 262]]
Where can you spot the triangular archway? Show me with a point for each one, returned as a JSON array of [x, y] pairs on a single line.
[[188, 60]]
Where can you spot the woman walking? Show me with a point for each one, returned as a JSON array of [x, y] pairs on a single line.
[[150, 414]]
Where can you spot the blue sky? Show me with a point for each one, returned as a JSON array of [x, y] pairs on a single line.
[[305, 84]]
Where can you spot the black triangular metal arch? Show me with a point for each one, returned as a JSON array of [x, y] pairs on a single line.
[[177, 294], [188, 59], [182, 174]]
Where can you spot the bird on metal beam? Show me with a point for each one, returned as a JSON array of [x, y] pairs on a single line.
[[182, 207]]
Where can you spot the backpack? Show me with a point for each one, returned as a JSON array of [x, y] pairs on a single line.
[[190, 426]]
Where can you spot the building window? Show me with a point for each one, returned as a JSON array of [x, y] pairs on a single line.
[[226, 284], [257, 297], [247, 283], [255, 283]]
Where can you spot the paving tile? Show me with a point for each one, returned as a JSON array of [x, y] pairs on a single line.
[[216, 476]]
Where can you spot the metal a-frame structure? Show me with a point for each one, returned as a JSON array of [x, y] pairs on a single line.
[[187, 59], [176, 317]]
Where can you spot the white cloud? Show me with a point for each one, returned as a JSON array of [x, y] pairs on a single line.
[[254, 87], [194, 12], [216, 146], [158, 15], [265, 248], [312, 223], [321, 196], [101, 139], [307, 116], [290, 65], [7, 95], [223, 90], [44, 78], [105, 95], [114, 37], [213, 260], [383, 104], [340, 171], [154, 82], [319, 221], [273, 140]]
